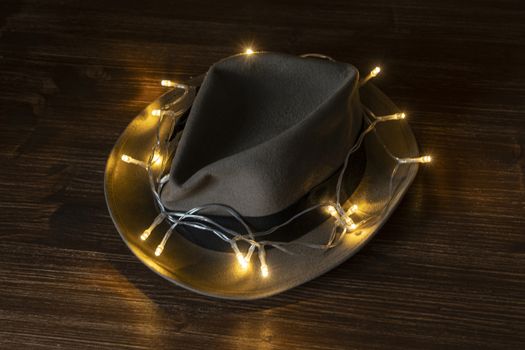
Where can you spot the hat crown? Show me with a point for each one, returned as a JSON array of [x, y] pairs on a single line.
[[264, 130]]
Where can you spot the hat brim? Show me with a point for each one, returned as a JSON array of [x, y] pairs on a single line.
[[217, 274]]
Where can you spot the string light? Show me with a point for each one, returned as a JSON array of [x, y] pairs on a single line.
[[422, 159], [173, 84], [130, 160], [332, 211], [240, 258], [167, 235], [265, 272], [167, 83], [144, 236], [147, 232], [156, 112], [344, 221], [350, 223], [249, 51], [157, 158], [395, 116], [375, 72]]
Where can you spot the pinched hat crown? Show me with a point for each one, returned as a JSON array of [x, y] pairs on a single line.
[[263, 131]]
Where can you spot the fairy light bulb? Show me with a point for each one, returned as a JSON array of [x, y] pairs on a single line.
[[130, 160], [426, 159], [242, 261], [262, 259], [126, 158], [264, 271], [157, 158], [375, 72], [350, 223], [156, 112], [144, 236], [332, 211], [249, 51], [395, 116], [240, 258], [159, 250], [167, 83], [147, 232], [353, 208]]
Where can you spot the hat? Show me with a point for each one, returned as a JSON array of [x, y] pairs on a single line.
[[264, 173]]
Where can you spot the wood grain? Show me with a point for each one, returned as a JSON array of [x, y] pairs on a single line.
[[446, 272]]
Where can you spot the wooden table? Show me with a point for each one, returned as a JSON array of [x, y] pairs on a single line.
[[446, 272]]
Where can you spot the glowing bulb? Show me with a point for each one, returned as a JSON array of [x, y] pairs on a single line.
[[422, 159], [264, 271], [332, 211], [157, 158], [249, 254], [130, 160], [353, 209], [353, 226], [242, 260], [395, 116], [144, 236], [375, 72], [167, 83], [349, 222], [156, 112], [248, 51], [159, 250]]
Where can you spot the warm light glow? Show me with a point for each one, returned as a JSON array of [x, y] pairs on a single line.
[[343, 220], [242, 261], [395, 116], [157, 158], [130, 160], [264, 271], [375, 72], [422, 159], [144, 236], [332, 211], [349, 222], [249, 51], [167, 83]]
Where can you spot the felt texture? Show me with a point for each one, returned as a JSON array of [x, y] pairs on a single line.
[[263, 131]]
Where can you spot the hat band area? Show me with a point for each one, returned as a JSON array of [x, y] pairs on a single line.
[[243, 238]]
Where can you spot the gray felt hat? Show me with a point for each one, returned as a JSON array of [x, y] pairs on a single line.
[[259, 176]]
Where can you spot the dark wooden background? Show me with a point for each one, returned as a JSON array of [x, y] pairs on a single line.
[[446, 272]]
